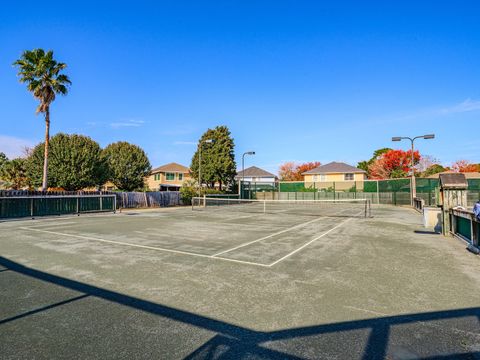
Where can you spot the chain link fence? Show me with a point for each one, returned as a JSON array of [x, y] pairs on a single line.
[[392, 191]]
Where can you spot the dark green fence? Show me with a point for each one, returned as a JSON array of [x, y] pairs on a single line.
[[249, 190], [33, 206], [392, 191]]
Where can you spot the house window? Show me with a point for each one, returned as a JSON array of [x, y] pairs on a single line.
[[314, 177], [349, 177], [157, 177], [170, 176], [180, 177], [323, 178]]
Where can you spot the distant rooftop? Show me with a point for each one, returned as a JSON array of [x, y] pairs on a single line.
[[171, 167], [334, 167], [254, 171], [468, 175]]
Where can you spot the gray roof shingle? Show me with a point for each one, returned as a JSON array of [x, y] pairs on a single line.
[[254, 171], [334, 167], [171, 167]]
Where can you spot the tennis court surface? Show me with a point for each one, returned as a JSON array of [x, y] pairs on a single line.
[[237, 280]]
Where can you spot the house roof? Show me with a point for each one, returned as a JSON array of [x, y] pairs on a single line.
[[254, 171], [468, 175], [334, 167], [171, 167]]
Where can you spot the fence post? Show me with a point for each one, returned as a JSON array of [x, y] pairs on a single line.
[[378, 192], [334, 192]]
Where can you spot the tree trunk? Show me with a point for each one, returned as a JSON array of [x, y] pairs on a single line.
[[47, 141]]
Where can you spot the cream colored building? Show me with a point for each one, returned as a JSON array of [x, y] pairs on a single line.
[[169, 177], [335, 174]]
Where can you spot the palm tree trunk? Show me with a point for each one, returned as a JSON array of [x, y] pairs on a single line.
[[45, 158]]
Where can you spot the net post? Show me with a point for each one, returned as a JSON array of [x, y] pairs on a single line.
[[101, 203], [114, 203], [78, 205], [204, 200], [31, 207]]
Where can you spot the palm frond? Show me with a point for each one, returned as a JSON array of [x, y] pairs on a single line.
[[42, 74]]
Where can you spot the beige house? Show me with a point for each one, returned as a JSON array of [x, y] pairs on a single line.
[[169, 177], [339, 175]]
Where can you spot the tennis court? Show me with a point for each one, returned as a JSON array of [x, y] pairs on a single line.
[[257, 233], [237, 280]]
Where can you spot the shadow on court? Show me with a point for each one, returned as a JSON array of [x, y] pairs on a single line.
[[90, 322]]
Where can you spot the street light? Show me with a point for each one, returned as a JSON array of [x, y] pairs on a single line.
[[243, 171], [208, 141], [400, 138]]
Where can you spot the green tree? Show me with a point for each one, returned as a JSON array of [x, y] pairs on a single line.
[[188, 191], [128, 165], [365, 165], [13, 172], [217, 160], [42, 74], [75, 163], [3, 160], [433, 169]]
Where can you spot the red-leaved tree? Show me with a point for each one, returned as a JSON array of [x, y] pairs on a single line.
[[290, 171], [393, 164], [286, 172], [301, 168], [464, 166]]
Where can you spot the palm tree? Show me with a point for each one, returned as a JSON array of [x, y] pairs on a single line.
[[41, 73]]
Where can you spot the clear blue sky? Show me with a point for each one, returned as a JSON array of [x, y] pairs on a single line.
[[294, 80]]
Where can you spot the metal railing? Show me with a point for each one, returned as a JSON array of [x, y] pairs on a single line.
[[418, 204], [466, 226]]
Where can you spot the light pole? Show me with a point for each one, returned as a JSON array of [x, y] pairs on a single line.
[[243, 170], [208, 141], [413, 185]]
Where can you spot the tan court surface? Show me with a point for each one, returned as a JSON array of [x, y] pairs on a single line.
[[176, 283]]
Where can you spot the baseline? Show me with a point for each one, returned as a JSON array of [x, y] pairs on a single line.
[[144, 246]]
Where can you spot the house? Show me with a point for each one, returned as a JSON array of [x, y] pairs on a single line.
[[254, 174], [468, 175], [169, 177], [336, 175]]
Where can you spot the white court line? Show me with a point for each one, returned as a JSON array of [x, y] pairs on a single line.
[[266, 237], [144, 246], [308, 243]]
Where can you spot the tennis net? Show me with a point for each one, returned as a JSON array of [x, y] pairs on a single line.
[[333, 208], [33, 206]]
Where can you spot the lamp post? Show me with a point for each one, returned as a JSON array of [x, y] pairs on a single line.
[[207, 141], [243, 171], [412, 140]]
